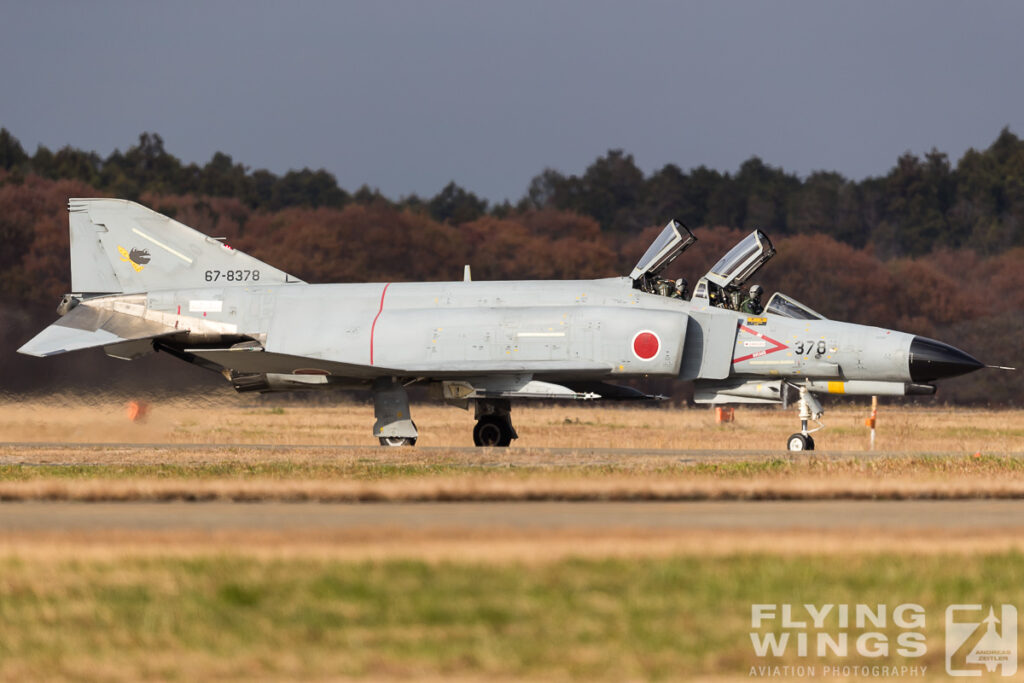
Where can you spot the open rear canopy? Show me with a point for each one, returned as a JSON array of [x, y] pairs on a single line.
[[742, 261]]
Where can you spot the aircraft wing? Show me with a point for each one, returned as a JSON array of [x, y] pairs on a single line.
[[86, 327]]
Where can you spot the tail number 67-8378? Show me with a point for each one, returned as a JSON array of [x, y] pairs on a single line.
[[233, 275]]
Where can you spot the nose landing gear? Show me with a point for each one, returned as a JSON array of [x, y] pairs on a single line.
[[809, 409]]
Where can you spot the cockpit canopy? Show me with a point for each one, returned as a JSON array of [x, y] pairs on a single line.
[[735, 268], [673, 241], [788, 307], [742, 261], [722, 285]]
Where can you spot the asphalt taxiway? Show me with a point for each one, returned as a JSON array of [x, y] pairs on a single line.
[[924, 516]]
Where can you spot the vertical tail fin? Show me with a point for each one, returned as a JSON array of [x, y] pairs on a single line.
[[121, 246]]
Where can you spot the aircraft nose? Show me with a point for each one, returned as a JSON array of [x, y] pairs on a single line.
[[931, 360]]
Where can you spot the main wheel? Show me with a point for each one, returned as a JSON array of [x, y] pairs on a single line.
[[799, 442], [492, 430], [397, 441]]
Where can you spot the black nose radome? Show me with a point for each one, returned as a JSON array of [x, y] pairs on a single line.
[[931, 360]]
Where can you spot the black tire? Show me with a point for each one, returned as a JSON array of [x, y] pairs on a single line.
[[799, 442], [395, 441], [493, 430]]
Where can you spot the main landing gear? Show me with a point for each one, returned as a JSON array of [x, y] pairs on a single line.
[[398, 441], [493, 423], [809, 409], [394, 426]]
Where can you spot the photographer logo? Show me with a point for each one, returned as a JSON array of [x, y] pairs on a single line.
[[976, 642]]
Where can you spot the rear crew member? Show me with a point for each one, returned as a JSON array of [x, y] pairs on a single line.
[[752, 304]]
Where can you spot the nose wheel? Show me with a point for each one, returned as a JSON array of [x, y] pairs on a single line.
[[809, 409], [800, 442]]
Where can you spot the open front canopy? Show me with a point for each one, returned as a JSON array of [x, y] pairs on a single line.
[[673, 241]]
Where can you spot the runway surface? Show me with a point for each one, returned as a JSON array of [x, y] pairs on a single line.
[[79, 453], [936, 516]]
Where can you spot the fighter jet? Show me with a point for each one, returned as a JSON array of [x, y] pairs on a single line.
[[142, 283]]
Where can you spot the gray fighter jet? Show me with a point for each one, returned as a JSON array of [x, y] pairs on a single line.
[[143, 282]]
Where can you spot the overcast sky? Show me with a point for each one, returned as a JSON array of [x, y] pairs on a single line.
[[405, 96]]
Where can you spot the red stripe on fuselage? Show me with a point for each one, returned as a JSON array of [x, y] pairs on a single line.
[[374, 325]]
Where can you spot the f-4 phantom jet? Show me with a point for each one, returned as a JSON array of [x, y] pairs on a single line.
[[142, 283]]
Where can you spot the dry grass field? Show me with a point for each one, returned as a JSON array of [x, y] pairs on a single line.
[[191, 604], [248, 449], [232, 419], [245, 448]]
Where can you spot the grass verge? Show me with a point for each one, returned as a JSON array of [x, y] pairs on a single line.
[[410, 477], [234, 616], [229, 419]]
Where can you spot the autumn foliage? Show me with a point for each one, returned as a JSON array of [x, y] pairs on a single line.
[[974, 299]]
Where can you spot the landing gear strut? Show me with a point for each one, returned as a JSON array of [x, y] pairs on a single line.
[[394, 426], [493, 423], [810, 409]]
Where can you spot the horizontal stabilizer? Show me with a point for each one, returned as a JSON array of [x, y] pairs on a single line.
[[85, 327]]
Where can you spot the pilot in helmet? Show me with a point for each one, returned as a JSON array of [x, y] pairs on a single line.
[[752, 304], [681, 286]]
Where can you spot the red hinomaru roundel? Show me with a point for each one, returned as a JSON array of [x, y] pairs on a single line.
[[646, 345]]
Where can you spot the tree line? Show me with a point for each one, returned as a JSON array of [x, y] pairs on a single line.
[[963, 296], [922, 204]]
